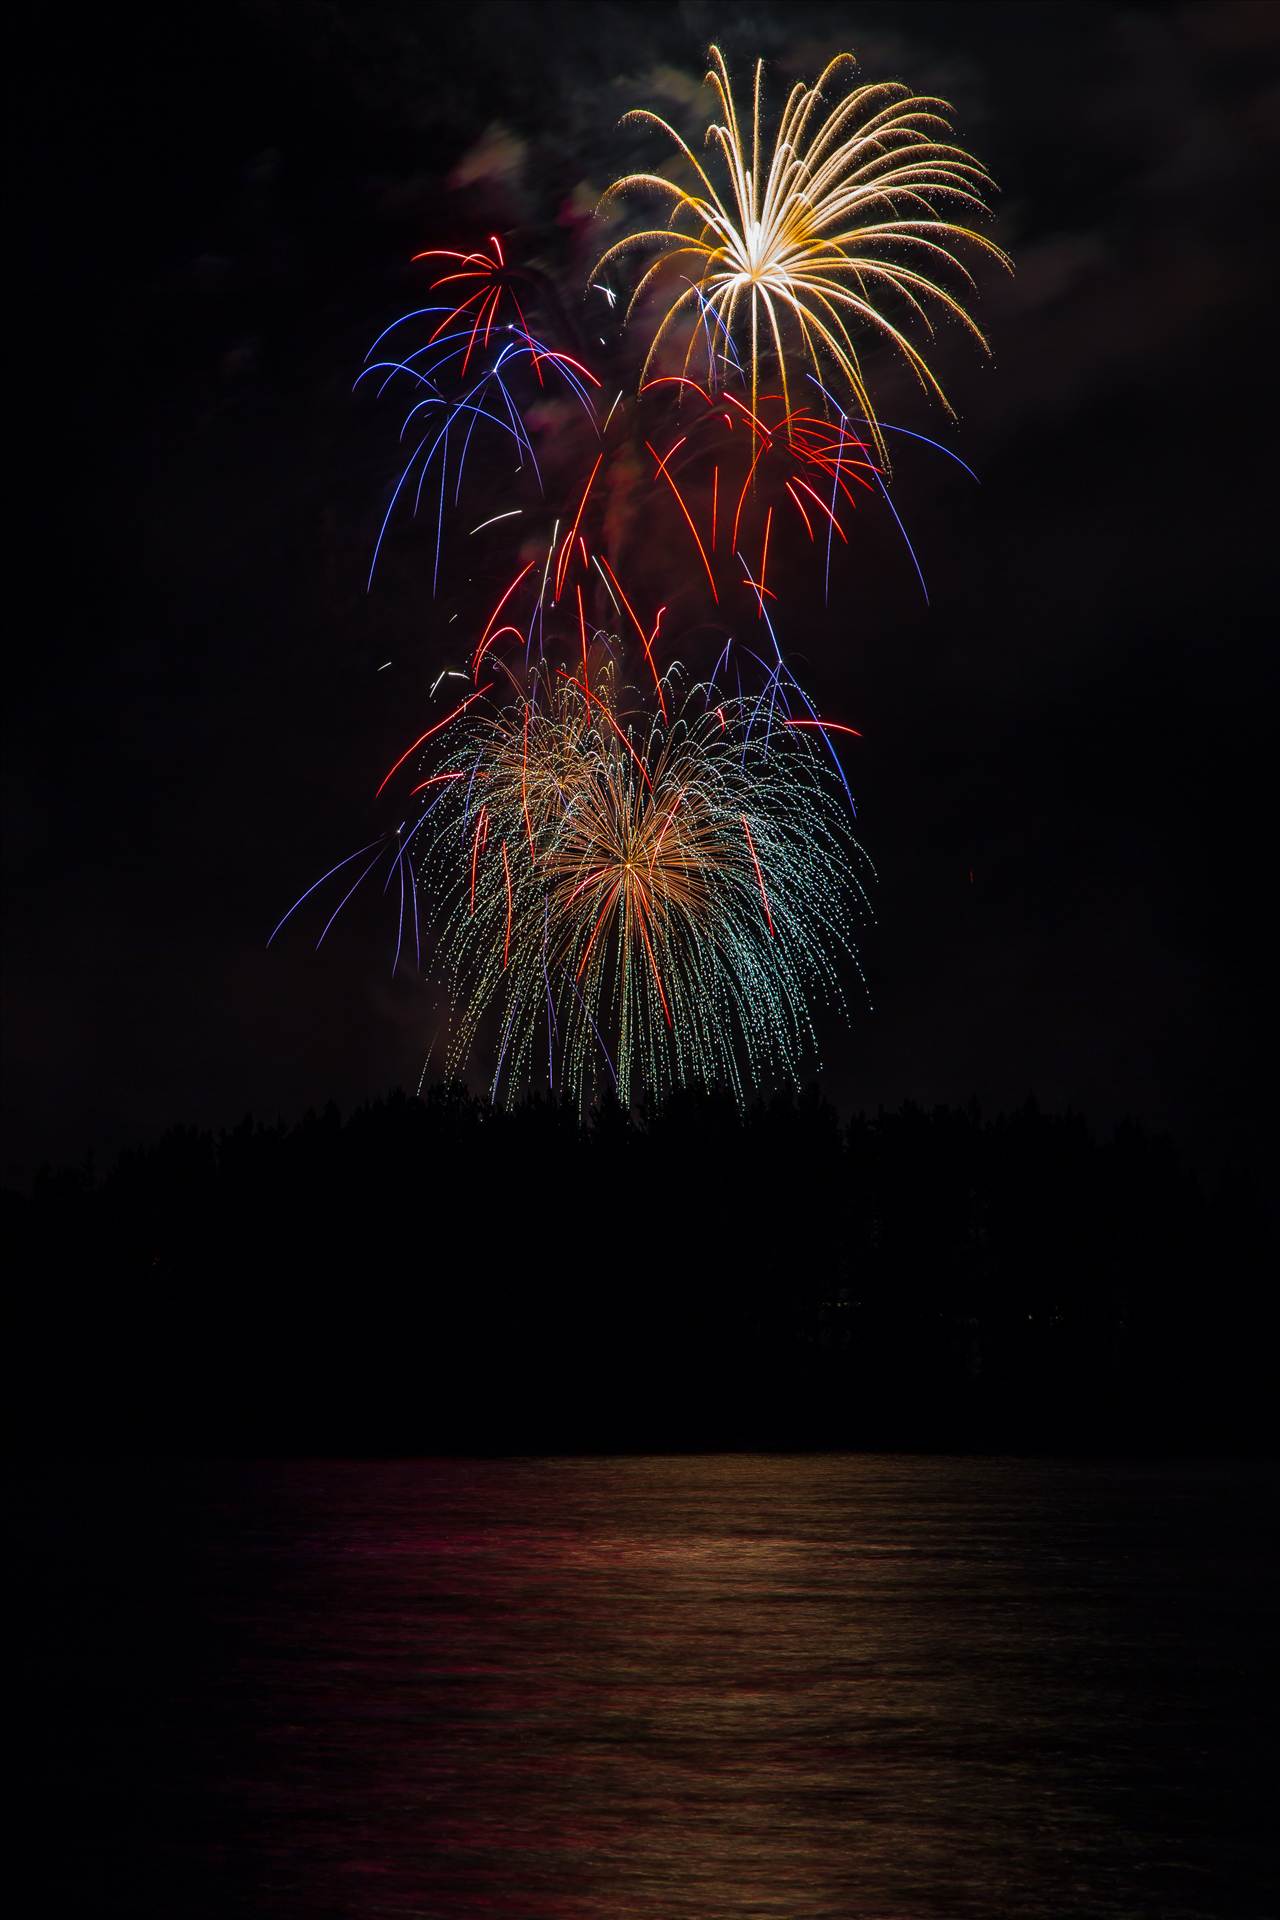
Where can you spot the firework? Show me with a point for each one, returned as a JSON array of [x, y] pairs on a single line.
[[644, 889], [813, 468], [637, 902], [438, 415], [748, 463], [477, 305], [810, 236]]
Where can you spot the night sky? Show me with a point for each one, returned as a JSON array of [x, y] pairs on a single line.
[[1067, 765]]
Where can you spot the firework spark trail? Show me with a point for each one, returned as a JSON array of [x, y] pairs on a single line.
[[634, 928], [667, 883], [779, 458], [491, 387], [317, 884], [492, 271], [813, 235]]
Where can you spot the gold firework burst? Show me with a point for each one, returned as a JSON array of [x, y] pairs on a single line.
[[809, 238]]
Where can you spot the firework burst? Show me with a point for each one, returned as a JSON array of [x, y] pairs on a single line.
[[640, 903], [810, 236], [644, 889]]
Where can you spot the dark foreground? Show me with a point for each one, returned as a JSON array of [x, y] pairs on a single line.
[[437, 1276], [861, 1688]]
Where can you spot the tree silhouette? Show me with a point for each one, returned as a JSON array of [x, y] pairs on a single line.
[[435, 1272]]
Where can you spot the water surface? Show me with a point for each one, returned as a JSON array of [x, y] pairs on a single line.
[[675, 1689]]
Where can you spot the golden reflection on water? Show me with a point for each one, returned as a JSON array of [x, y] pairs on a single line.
[[706, 1689]]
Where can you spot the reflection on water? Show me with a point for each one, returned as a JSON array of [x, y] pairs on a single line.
[[683, 1689]]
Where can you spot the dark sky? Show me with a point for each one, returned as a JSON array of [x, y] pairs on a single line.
[[214, 214]]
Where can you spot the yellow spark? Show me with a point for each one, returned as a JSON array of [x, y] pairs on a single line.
[[848, 208]]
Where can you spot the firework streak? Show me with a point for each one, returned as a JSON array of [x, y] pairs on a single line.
[[812, 234], [628, 848], [641, 903]]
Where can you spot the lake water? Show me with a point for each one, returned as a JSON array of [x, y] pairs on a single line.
[[854, 1687]]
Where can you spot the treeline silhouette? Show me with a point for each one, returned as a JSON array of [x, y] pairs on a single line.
[[437, 1274]]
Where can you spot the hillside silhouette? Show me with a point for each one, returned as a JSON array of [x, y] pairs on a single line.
[[435, 1274]]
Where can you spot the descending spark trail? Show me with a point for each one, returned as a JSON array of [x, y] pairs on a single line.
[[635, 912], [489, 398], [816, 234], [423, 737], [635, 890]]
